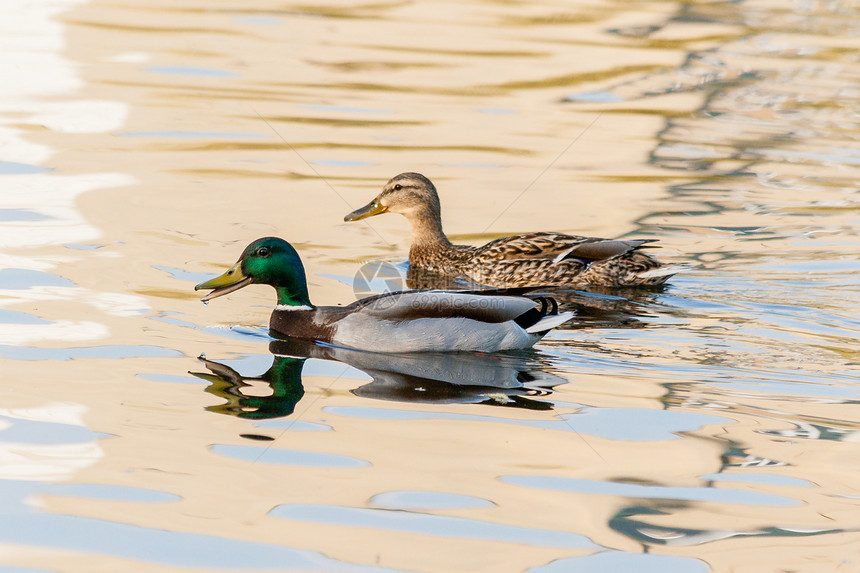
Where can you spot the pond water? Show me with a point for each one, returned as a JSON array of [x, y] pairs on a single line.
[[708, 426]]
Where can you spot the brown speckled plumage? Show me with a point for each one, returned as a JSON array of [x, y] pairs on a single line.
[[531, 259]]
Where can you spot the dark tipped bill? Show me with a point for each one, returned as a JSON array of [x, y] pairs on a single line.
[[369, 210]]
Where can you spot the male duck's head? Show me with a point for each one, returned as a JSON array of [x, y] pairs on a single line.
[[410, 194], [269, 261]]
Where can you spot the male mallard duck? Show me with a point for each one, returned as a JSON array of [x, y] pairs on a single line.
[[408, 321], [530, 259]]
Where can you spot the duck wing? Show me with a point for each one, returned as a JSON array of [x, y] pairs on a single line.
[[410, 305], [556, 247], [601, 249]]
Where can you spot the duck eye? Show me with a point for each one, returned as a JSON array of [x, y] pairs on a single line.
[[263, 252], [398, 187]]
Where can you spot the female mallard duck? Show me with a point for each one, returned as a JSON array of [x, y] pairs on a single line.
[[408, 321], [531, 259]]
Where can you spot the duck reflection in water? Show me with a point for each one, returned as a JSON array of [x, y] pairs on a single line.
[[510, 379]]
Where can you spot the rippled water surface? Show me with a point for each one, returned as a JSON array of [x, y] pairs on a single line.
[[708, 426]]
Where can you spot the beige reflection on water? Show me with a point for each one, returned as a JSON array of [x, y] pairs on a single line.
[[199, 127]]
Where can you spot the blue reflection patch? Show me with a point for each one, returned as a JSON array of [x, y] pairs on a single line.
[[618, 561], [395, 414], [427, 500], [171, 378], [13, 168], [182, 275], [836, 156], [292, 425], [21, 525], [332, 369], [427, 524], [718, 495], [250, 364], [770, 479], [21, 215], [795, 387], [111, 492], [17, 317], [633, 424], [33, 432], [173, 321], [287, 457], [638, 424], [112, 352], [12, 569], [595, 97], [19, 279], [236, 332]]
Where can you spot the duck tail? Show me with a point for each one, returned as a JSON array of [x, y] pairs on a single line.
[[662, 273], [547, 323], [541, 321]]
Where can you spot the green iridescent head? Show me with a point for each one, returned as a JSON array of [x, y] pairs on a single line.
[[268, 261]]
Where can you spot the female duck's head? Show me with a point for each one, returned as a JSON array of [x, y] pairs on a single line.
[[410, 194], [269, 261]]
